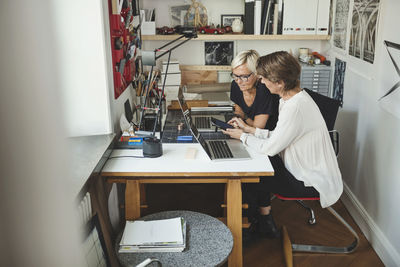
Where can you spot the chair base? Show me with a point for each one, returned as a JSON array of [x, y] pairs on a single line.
[[328, 249]]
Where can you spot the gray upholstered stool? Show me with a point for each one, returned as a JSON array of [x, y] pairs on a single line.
[[209, 243]]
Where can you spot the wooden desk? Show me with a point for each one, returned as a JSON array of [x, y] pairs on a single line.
[[172, 167]]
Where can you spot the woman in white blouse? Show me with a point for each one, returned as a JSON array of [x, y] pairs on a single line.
[[299, 148]]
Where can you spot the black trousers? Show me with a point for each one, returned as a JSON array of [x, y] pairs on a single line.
[[283, 183]]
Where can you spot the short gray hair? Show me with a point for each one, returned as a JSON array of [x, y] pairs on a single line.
[[249, 57]]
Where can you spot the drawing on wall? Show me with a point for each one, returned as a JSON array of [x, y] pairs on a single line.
[[363, 29], [338, 80], [393, 46], [218, 53], [341, 19], [177, 15]]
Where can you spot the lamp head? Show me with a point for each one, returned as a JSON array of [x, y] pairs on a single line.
[[189, 32]]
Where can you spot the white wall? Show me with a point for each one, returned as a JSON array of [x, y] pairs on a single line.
[[370, 142], [83, 39], [80, 37], [38, 225]]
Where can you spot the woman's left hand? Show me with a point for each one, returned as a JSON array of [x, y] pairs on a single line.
[[234, 133]]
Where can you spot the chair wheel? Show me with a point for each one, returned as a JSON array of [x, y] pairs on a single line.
[[312, 221]]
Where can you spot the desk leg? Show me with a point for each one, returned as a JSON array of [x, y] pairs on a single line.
[[132, 200], [234, 221]]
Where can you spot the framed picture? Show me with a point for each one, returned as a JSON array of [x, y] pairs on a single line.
[[218, 53], [226, 20], [177, 15]]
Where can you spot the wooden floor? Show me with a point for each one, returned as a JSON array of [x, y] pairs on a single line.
[[268, 252]]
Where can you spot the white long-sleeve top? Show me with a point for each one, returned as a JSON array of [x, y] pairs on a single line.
[[303, 142]]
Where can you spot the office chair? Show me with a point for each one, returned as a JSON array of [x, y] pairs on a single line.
[[329, 108]]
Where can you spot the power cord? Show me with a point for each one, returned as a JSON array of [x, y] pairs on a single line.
[[115, 157]]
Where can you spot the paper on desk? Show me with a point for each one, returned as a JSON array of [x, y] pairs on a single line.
[[153, 232]]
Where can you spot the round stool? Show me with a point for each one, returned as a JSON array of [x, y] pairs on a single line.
[[208, 242]]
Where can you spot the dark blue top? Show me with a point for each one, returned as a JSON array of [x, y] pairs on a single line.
[[264, 103]]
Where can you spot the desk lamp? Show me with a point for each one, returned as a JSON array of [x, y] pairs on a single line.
[[152, 147]]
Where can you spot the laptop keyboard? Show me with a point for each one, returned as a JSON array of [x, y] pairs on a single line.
[[202, 122], [220, 149]]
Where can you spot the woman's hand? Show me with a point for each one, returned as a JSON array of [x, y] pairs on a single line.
[[234, 133], [237, 123], [240, 124]]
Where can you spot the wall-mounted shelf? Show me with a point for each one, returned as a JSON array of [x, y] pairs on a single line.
[[233, 37]]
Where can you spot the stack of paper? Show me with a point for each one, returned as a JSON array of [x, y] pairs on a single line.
[[173, 80], [167, 235], [173, 74]]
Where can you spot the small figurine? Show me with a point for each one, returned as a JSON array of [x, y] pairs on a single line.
[[200, 14], [208, 29], [165, 30], [237, 25]]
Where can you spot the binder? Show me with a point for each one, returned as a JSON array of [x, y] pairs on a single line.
[[257, 17], [280, 15], [276, 19], [323, 16], [249, 17], [270, 18], [264, 15], [300, 16]]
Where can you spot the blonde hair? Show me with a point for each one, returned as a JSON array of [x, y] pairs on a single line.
[[248, 57]]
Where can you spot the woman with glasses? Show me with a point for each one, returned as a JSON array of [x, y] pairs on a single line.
[[299, 148], [253, 101]]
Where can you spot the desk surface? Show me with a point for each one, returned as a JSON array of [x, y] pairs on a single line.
[[174, 163]]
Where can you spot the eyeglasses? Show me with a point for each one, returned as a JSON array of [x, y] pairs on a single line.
[[243, 78]]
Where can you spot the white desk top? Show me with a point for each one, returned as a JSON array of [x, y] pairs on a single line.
[[173, 162]]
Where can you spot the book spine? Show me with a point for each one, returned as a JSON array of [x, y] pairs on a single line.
[[275, 24], [264, 15], [249, 17], [257, 17], [267, 18]]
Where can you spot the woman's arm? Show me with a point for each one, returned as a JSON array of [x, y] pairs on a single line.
[[259, 120], [289, 127]]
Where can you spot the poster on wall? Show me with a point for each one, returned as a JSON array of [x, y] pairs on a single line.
[[341, 21], [177, 15], [390, 97], [364, 29], [218, 53], [338, 80]]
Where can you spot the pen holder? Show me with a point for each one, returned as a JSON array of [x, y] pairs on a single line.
[[152, 147]]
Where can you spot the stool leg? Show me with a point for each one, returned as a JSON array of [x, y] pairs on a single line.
[[312, 216]]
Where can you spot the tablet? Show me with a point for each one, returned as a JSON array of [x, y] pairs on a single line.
[[221, 124]]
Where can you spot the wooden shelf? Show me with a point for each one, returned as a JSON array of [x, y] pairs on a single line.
[[233, 37]]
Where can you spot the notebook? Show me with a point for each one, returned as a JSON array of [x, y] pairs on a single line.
[[230, 149], [202, 122]]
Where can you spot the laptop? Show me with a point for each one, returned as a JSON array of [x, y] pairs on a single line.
[[230, 149], [202, 122]]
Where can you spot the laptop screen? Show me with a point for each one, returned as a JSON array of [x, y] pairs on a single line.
[[128, 111], [189, 122]]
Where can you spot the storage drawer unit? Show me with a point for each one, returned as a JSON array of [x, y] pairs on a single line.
[[316, 78]]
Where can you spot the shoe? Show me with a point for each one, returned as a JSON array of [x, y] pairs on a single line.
[[267, 227]]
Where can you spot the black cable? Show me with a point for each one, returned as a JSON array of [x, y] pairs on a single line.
[[115, 157]]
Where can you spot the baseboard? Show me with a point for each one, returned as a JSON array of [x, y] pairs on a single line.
[[385, 250]]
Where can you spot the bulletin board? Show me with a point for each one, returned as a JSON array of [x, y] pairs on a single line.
[[125, 40]]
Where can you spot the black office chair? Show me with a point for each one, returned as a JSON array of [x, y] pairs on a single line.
[[329, 108]]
